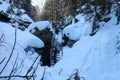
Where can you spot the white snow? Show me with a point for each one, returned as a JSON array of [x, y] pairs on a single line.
[[4, 6], [24, 39], [25, 17], [78, 29], [95, 56], [41, 25]]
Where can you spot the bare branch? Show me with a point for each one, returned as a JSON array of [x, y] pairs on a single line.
[[21, 65], [14, 68], [2, 38], [11, 52], [31, 67], [2, 60], [31, 72], [60, 71], [20, 76], [43, 74], [75, 75], [36, 69]]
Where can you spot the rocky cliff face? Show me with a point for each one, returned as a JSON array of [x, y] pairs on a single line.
[[46, 36]]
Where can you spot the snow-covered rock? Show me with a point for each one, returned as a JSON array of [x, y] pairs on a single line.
[[4, 6], [19, 57], [24, 39], [41, 25], [81, 28], [18, 17]]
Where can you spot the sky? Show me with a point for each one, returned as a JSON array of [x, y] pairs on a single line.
[[40, 3]]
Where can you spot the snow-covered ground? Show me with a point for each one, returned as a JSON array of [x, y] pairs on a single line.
[[95, 57]]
